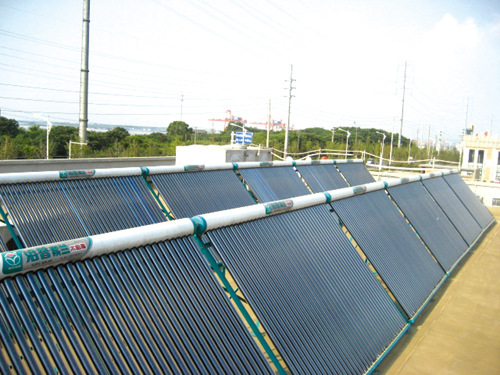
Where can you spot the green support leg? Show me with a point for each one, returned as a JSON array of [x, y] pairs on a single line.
[[157, 197], [11, 229], [232, 293]]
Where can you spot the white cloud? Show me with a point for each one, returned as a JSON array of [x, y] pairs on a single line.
[[450, 36]]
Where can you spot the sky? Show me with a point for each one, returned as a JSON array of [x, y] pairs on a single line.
[[157, 61]]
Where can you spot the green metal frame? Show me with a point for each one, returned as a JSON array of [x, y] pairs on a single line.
[[11, 229], [237, 300], [240, 177], [157, 197]]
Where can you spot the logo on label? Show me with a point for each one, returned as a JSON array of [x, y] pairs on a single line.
[[349, 161], [266, 163], [12, 262], [278, 206], [313, 162]]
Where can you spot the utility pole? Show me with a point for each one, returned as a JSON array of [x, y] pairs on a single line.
[[84, 74], [464, 133], [356, 139], [285, 154], [182, 99], [268, 124], [429, 143], [439, 141], [392, 140], [402, 109]]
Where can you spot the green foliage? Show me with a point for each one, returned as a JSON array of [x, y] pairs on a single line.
[[179, 130], [20, 143], [59, 138], [9, 127]]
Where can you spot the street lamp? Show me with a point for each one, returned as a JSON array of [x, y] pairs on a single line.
[[381, 153], [49, 127], [347, 140]]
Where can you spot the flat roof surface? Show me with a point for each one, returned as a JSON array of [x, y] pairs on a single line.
[[459, 331]]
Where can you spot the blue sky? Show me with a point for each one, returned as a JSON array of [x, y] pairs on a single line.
[[348, 62]]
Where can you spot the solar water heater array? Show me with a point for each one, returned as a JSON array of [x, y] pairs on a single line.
[[323, 309], [156, 309], [57, 210], [430, 222], [478, 211], [453, 207], [322, 177], [273, 183], [154, 306], [197, 192], [394, 250], [54, 206], [355, 173]]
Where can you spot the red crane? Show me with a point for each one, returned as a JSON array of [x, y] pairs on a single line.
[[275, 124], [229, 117]]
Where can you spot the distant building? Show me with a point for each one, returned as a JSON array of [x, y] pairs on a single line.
[[482, 154]]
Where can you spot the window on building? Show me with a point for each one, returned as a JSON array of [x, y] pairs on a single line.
[[471, 156], [498, 167], [480, 156]]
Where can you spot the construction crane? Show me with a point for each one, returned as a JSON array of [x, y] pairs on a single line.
[[275, 124], [229, 117]]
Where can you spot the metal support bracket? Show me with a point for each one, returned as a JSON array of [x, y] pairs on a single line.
[[11, 229], [237, 300]]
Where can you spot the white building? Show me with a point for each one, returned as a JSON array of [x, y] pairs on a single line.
[[483, 154]]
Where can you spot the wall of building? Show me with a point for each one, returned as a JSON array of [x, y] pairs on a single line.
[[482, 153], [42, 165], [489, 193]]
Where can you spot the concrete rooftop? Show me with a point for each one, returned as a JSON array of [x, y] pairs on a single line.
[[459, 331]]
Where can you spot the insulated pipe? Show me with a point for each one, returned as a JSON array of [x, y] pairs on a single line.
[[20, 261], [188, 168], [328, 161], [13, 178], [426, 176], [38, 257], [266, 164]]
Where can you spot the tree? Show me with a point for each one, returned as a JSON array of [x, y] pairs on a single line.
[[59, 138], [102, 141], [9, 127], [117, 134], [179, 130]]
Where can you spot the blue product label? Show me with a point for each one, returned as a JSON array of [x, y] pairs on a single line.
[[77, 174], [278, 206], [359, 189], [193, 168]]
